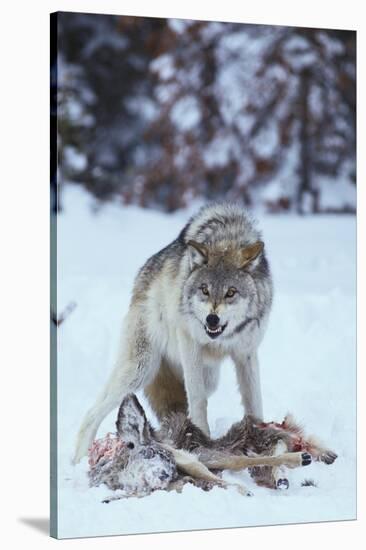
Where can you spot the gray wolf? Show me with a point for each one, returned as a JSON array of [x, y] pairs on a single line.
[[204, 297], [138, 460]]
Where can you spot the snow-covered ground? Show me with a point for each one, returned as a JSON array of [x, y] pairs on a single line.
[[308, 366]]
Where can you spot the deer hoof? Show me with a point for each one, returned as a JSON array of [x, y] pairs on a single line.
[[282, 483], [328, 457], [305, 459]]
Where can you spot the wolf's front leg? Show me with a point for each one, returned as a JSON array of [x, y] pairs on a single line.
[[247, 372], [194, 382]]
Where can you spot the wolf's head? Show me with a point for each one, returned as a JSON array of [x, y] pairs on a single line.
[[220, 291]]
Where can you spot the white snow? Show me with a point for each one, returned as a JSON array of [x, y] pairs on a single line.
[[219, 151], [299, 52], [166, 92], [336, 192], [307, 366], [266, 140], [186, 113], [179, 26], [75, 159], [163, 66], [315, 102], [331, 45]]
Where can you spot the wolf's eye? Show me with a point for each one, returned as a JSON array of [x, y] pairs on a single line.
[[231, 292], [205, 290]]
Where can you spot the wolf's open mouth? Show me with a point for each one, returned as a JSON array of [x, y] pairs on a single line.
[[214, 333]]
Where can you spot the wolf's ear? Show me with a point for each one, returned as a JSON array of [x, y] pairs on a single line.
[[132, 425], [198, 254], [250, 253]]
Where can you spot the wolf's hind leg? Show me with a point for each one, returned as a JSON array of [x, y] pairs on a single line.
[[166, 393], [92, 420], [128, 376]]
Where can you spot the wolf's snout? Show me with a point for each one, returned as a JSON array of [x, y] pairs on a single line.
[[212, 320], [213, 327]]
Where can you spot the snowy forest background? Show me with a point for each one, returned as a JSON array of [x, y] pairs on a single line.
[[160, 113]]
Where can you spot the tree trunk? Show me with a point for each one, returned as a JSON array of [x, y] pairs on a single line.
[[305, 186]]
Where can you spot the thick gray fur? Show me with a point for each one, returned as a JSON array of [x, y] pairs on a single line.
[[166, 346]]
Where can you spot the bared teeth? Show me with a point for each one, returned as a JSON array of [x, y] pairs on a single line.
[[215, 331]]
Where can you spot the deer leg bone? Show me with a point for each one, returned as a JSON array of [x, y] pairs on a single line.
[[117, 496], [279, 473], [191, 465], [235, 462], [122, 495]]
